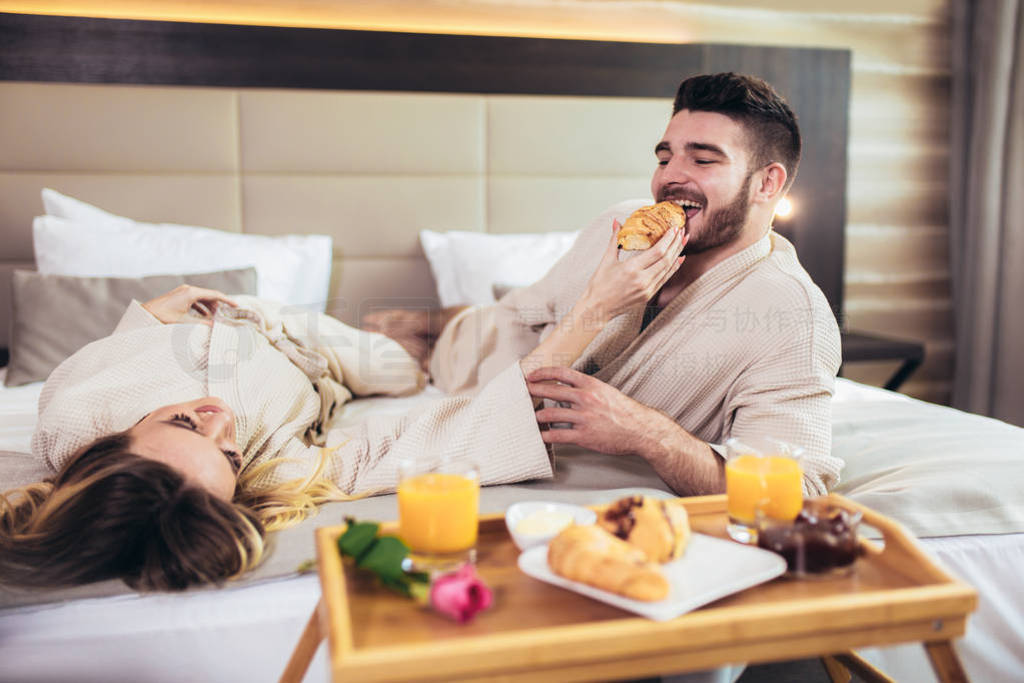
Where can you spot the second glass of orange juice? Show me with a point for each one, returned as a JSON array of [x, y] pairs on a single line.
[[763, 480], [438, 512]]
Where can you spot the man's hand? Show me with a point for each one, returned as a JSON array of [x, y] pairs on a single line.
[[605, 420], [175, 305]]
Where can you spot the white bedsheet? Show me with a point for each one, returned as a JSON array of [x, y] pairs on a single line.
[[243, 634], [248, 633], [17, 414], [993, 649]]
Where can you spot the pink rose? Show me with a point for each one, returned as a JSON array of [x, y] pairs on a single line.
[[460, 595]]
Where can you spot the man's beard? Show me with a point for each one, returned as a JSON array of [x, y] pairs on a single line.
[[723, 225]]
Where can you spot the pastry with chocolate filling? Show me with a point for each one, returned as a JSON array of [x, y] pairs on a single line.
[[647, 224], [661, 528]]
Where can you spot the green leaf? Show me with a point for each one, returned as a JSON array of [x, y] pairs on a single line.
[[384, 558], [398, 586], [358, 538], [419, 577]]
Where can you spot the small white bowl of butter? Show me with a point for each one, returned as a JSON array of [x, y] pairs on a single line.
[[536, 522]]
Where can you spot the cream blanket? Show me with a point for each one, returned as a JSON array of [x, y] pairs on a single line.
[[254, 367], [750, 348]]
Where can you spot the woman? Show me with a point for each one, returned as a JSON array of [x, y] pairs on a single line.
[[183, 438]]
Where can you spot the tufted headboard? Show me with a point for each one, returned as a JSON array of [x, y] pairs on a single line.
[[372, 136]]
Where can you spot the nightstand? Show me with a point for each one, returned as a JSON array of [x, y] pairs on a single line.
[[863, 346]]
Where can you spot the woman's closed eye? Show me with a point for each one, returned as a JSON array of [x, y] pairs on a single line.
[[233, 457], [182, 417]]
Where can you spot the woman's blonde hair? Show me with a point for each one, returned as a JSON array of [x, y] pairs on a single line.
[[284, 505], [110, 513]]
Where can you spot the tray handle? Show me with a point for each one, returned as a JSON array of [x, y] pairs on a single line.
[[900, 547]]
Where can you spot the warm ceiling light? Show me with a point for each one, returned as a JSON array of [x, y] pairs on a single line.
[[784, 209], [535, 20]]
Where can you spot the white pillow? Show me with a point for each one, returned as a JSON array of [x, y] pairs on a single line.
[[468, 265], [63, 206], [84, 240]]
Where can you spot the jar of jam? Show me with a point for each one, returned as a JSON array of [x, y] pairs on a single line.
[[821, 540]]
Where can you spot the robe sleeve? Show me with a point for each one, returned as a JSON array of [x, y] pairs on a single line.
[[365, 362], [786, 393], [135, 317], [482, 341], [496, 429]]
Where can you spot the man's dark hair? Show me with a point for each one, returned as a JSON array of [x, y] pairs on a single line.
[[770, 123]]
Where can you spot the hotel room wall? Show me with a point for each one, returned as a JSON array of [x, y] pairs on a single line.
[[897, 255], [370, 169], [897, 260], [897, 273]]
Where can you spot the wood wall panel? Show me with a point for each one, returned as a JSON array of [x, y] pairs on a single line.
[[910, 34], [896, 253], [865, 286], [899, 107]]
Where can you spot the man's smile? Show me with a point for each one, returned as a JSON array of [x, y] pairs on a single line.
[[691, 205]]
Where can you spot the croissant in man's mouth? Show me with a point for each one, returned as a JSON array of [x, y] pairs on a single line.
[[647, 224]]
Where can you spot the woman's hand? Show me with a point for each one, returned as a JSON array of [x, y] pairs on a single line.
[[615, 287], [173, 306]]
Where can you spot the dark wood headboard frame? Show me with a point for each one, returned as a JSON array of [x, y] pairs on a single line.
[[815, 81]]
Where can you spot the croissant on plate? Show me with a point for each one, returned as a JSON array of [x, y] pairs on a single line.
[[661, 528], [591, 555], [648, 223]]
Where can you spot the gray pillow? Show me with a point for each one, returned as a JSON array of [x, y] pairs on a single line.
[[55, 315]]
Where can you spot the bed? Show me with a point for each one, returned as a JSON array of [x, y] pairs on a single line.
[[248, 631], [444, 156]]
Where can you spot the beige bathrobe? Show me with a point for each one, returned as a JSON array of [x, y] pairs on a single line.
[[750, 348], [265, 364]]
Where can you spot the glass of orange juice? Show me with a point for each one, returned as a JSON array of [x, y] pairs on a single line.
[[763, 480], [438, 512]]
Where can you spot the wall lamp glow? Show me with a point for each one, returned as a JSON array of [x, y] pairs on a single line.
[[784, 208]]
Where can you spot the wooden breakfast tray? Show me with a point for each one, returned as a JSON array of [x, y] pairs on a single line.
[[538, 631]]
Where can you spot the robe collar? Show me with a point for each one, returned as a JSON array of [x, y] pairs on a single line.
[[612, 347]]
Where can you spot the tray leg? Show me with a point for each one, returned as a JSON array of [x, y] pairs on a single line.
[[837, 673], [304, 650], [851, 661], [945, 661]]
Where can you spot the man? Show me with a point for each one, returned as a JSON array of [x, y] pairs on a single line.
[[738, 342]]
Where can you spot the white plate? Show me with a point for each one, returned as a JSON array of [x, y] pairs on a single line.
[[712, 568]]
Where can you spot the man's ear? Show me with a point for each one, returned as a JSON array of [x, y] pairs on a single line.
[[769, 183]]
